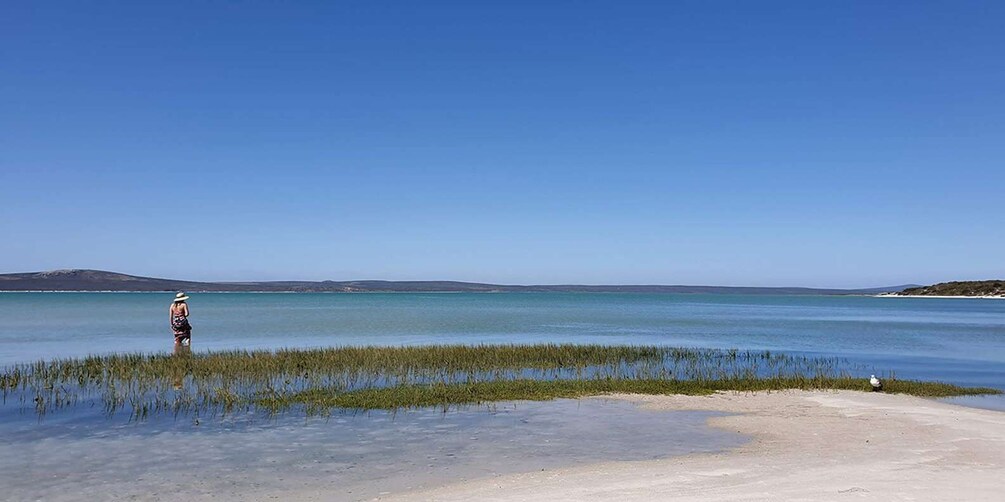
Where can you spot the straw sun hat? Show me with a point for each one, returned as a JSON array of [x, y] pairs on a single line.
[[180, 297]]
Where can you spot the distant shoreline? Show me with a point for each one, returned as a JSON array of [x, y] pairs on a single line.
[[944, 297], [194, 291], [76, 280], [694, 293]]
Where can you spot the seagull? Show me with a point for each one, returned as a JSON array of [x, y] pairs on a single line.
[[876, 384]]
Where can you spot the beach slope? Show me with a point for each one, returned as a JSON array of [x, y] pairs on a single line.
[[839, 445]]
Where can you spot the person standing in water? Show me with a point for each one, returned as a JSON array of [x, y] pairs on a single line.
[[179, 321]]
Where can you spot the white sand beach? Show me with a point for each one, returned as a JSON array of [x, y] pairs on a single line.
[[806, 446]]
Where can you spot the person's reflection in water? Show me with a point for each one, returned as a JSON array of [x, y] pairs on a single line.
[[179, 371]]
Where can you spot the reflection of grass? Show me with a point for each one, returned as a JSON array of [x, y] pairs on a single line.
[[391, 377]]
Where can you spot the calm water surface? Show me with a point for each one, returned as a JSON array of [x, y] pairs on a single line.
[[350, 457], [344, 457], [956, 340]]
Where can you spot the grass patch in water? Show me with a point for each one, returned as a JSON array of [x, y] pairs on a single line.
[[393, 377], [445, 395]]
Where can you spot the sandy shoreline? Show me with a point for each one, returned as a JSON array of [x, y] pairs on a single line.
[[806, 446]]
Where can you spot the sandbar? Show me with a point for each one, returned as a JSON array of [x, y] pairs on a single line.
[[821, 445]]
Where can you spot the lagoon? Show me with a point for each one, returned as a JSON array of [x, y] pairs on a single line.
[[356, 455], [960, 341]]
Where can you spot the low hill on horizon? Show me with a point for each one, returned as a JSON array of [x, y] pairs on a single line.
[[959, 288], [99, 280]]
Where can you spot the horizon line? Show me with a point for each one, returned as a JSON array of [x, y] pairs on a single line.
[[564, 284]]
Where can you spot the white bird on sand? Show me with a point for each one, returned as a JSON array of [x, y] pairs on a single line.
[[876, 384]]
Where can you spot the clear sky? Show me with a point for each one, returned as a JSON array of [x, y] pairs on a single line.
[[843, 143]]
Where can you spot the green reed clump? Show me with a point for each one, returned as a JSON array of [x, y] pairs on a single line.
[[445, 395], [388, 377]]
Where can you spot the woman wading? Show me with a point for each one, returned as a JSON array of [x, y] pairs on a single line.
[[179, 321]]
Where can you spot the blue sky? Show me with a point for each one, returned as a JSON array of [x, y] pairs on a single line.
[[834, 144]]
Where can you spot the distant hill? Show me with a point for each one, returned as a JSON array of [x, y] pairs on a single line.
[[97, 280], [959, 288]]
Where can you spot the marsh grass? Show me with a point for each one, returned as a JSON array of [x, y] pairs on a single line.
[[445, 395], [319, 380]]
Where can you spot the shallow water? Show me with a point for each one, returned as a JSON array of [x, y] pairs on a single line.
[[961, 341], [343, 457], [348, 457]]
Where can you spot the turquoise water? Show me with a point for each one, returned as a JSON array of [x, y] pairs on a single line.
[[353, 456], [956, 340]]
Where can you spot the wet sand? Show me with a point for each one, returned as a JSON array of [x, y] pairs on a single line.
[[806, 446]]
